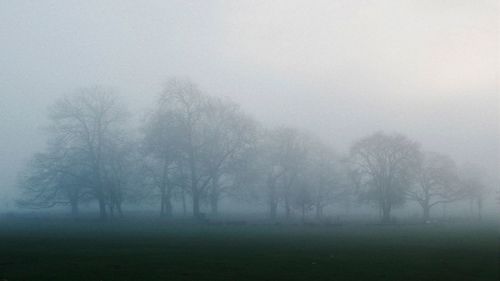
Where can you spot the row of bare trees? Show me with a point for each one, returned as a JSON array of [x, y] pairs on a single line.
[[391, 169], [86, 156], [197, 149], [195, 143]]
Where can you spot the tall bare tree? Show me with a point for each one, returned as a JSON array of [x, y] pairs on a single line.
[[283, 159], [436, 182], [88, 122], [161, 147], [474, 187], [119, 174], [325, 177], [199, 134], [228, 134], [385, 164], [188, 107]]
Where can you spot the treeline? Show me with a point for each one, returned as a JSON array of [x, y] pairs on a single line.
[[196, 149]]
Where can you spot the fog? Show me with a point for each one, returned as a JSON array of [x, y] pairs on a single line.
[[338, 69], [249, 139]]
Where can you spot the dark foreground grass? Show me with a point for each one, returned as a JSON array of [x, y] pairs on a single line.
[[133, 250]]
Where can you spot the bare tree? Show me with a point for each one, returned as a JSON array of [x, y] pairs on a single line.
[[228, 134], [201, 135], [292, 155], [118, 174], [188, 108], [161, 147], [88, 122], [325, 177], [267, 164], [436, 182], [385, 165], [303, 199], [283, 159], [55, 177], [474, 187]]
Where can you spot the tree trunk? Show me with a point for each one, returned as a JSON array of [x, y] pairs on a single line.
[[166, 205], [386, 213], [214, 204], [102, 209], [101, 196], [74, 209], [184, 206], [98, 176], [167, 209], [426, 213], [380, 213], [196, 204], [479, 209], [111, 210], [162, 202], [287, 208], [273, 202], [319, 212], [273, 210], [119, 209], [426, 209], [214, 196], [195, 193]]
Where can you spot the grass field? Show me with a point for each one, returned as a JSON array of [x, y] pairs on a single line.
[[152, 250]]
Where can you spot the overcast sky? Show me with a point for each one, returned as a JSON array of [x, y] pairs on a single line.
[[341, 69]]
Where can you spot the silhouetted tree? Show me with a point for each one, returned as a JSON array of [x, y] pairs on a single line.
[[88, 122], [227, 135], [118, 174], [55, 177], [162, 149], [436, 182], [188, 108], [325, 177], [385, 165], [474, 188]]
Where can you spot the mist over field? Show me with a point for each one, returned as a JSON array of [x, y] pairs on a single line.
[[249, 114]]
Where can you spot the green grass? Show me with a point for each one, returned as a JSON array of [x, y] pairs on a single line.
[[133, 250]]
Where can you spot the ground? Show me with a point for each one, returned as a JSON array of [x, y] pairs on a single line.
[[154, 250]]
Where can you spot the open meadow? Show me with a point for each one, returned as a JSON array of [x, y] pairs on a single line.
[[152, 250]]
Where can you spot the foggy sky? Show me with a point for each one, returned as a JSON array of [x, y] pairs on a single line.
[[340, 69]]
